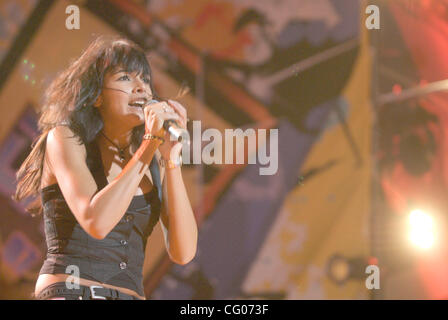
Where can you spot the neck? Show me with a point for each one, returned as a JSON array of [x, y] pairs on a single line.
[[121, 138]]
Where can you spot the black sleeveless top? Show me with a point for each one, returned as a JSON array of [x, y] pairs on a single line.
[[118, 258]]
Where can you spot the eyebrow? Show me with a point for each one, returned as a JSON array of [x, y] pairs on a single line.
[[122, 70], [126, 71]]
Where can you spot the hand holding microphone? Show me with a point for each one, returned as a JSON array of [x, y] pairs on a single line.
[[166, 118]]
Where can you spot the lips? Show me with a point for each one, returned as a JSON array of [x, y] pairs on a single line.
[[139, 102]]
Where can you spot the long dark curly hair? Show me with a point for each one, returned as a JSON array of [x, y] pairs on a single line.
[[69, 100]]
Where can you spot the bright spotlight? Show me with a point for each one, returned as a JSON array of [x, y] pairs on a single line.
[[421, 229]]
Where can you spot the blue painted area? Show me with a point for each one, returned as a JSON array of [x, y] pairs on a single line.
[[19, 253], [13, 15], [12, 148], [317, 32]]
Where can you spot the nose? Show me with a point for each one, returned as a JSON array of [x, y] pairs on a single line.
[[139, 87]]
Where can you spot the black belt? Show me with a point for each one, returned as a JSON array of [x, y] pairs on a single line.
[[84, 292]]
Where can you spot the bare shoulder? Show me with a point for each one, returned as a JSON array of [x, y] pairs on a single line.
[[66, 157], [61, 133], [63, 151], [63, 144]]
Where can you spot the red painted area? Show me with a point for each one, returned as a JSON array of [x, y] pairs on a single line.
[[212, 11]]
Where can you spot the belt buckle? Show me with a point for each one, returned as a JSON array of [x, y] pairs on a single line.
[[92, 292]]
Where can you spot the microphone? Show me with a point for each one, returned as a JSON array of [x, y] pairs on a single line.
[[180, 134]]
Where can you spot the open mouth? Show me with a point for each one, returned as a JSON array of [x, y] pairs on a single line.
[[137, 103]]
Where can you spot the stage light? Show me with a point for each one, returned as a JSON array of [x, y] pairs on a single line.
[[421, 229], [340, 269]]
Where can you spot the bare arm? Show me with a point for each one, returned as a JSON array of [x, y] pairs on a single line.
[[96, 213], [177, 219]]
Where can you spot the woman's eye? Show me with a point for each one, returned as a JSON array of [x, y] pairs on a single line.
[[146, 80], [124, 77]]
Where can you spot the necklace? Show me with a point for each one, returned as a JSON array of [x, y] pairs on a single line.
[[120, 150]]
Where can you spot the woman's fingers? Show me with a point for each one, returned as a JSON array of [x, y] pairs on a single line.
[[180, 110], [165, 112], [170, 106], [156, 114], [169, 116], [163, 106], [153, 121], [159, 106]]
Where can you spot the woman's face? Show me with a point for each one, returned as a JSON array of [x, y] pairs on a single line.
[[119, 100]]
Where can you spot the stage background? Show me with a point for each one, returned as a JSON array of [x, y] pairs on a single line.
[[307, 67]]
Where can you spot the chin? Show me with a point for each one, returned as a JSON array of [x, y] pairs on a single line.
[[137, 115], [131, 120], [137, 121]]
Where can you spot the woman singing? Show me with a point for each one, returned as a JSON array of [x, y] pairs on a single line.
[[106, 171]]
